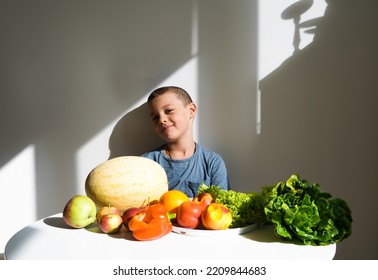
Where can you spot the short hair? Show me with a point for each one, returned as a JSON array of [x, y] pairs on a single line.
[[180, 93]]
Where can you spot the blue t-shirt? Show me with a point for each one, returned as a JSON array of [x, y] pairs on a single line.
[[186, 175]]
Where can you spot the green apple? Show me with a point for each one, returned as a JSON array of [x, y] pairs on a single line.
[[79, 212]]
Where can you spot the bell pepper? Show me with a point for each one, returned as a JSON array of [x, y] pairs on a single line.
[[189, 214], [151, 223]]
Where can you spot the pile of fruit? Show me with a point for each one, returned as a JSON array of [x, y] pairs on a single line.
[[202, 212], [118, 189], [132, 192], [153, 220]]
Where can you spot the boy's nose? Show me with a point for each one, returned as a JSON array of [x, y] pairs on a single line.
[[162, 119]]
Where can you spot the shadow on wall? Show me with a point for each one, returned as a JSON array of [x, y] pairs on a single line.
[[133, 135], [68, 71], [319, 112], [294, 12]]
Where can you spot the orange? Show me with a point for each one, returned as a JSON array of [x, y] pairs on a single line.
[[172, 199]]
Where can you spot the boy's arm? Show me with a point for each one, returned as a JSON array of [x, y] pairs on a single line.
[[219, 174]]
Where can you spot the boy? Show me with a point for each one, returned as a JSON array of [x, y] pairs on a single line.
[[186, 163]]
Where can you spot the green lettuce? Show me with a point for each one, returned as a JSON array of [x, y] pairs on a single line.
[[305, 212], [246, 208]]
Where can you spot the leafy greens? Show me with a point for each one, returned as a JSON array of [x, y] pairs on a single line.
[[246, 208], [303, 211]]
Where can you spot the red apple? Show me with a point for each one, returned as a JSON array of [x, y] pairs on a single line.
[[111, 223], [216, 216], [203, 199], [105, 210], [189, 214], [128, 214]]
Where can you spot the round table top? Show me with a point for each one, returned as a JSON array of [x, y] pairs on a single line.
[[50, 238]]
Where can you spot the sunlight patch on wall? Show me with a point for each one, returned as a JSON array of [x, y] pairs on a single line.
[[18, 189], [285, 28], [91, 154], [96, 150], [187, 78]]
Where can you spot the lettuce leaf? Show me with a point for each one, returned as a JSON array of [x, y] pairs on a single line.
[[246, 208], [305, 212]]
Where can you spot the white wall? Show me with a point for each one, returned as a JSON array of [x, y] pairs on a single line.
[[75, 75], [319, 112]]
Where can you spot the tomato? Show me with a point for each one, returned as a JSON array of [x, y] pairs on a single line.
[[189, 214]]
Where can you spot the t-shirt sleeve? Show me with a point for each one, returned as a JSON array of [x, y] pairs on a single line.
[[219, 174]]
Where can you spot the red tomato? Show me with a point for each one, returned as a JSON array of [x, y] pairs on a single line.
[[189, 214]]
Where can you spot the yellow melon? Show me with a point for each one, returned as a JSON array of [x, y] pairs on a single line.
[[126, 181]]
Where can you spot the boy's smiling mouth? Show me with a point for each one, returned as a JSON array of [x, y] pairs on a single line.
[[166, 127]]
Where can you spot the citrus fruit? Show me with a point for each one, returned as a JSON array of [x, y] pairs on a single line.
[[172, 199]]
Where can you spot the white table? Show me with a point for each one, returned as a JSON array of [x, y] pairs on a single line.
[[50, 238]]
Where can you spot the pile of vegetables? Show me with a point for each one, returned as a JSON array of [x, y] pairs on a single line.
[[297, 209]]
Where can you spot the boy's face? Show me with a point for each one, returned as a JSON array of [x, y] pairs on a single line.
[[171, 119]]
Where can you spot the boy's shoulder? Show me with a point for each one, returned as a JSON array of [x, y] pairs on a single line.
[[201, 152], [207, 152], [154, 152]]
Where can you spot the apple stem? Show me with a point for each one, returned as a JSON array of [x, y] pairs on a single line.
[[142, 203]]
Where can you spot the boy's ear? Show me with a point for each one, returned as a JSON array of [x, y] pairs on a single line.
[[192, 110]]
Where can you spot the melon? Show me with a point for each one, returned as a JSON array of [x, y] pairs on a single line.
[[125, 182]]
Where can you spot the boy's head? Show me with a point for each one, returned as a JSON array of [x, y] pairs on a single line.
[[180, 93], [172, 112]]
